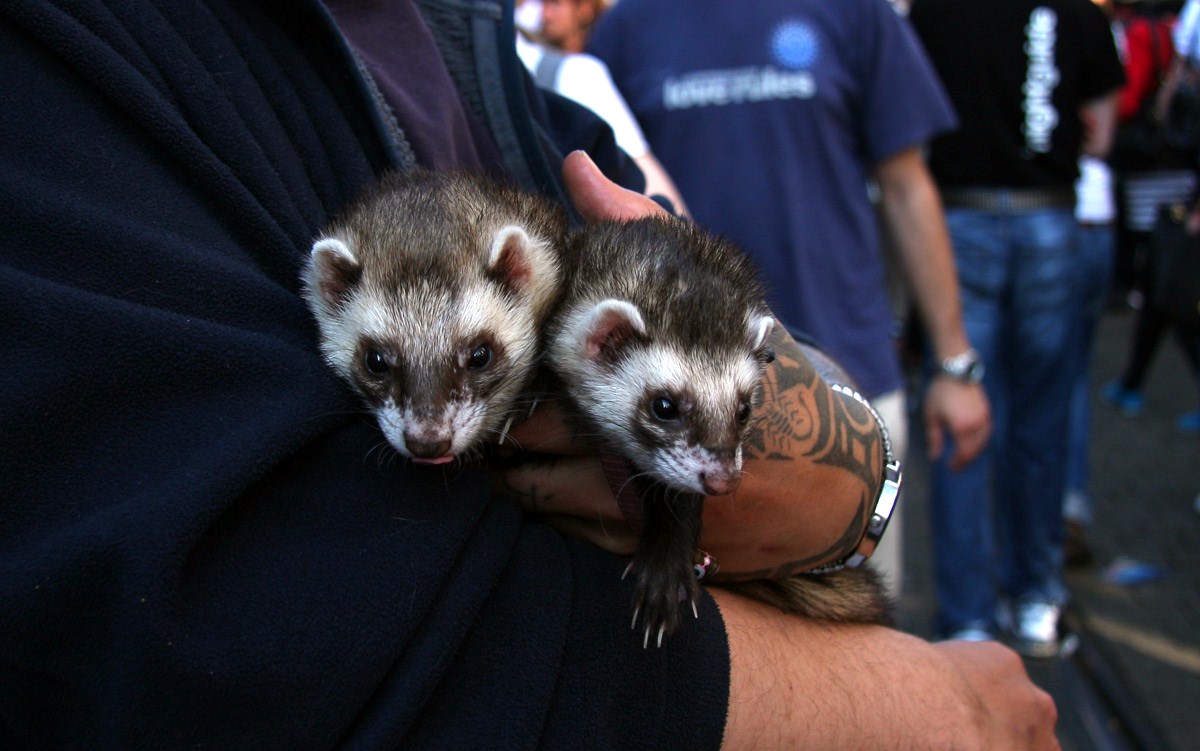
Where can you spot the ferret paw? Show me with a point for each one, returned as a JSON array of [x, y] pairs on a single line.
[[660, 594]]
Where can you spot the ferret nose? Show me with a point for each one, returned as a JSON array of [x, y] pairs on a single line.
[[427, 449], [720, 481]]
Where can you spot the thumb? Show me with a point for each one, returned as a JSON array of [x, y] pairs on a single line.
[[597, 198]]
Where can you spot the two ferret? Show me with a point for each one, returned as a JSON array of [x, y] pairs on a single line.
[[442, 298]]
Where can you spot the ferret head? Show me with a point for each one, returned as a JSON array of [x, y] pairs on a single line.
[[435, 326], [679, 413]]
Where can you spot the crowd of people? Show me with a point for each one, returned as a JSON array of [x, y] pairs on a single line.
[[195, 551]]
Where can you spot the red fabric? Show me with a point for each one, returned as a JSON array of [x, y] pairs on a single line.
[[1148, 55]]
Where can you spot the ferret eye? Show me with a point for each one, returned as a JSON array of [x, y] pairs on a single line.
[[664, 408], [744, 411], [480, 358], [375, 362]]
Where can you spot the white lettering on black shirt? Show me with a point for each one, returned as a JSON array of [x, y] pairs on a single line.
[[1042, 76]]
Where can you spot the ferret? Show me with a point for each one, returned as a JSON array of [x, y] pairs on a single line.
[[660, 343], [430, 292]]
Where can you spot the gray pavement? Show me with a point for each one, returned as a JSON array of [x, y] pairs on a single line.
[[1131, 677]]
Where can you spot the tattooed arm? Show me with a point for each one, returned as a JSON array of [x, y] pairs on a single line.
[[813, 467]]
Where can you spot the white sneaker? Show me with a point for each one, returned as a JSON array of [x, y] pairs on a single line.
[[971, 634], [1036, 628]]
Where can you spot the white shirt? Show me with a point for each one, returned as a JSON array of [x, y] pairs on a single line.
[[1094, 191], [584, 79]]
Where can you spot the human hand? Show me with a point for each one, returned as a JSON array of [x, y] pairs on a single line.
[[962, 410], [1012, 712], [799, 683], [564, 483]]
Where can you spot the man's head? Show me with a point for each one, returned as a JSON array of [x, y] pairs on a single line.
[[566, 24]]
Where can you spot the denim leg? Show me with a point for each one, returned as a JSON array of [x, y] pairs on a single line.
[[1094, 273], [960, 502], [1037, 348]]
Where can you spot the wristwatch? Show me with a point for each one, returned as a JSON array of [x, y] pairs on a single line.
[[885, 502], [967, 367]]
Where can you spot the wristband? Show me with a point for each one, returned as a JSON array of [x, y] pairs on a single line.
[[885, 503]]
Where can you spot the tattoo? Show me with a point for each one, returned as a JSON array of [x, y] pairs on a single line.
[[808, 419], [848, 539], [852, 441], [790, 419]]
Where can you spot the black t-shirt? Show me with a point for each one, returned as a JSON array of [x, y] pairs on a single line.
[[1018, 72]]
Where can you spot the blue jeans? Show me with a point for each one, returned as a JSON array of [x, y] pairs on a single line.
[[997, 523], [1097, 253]]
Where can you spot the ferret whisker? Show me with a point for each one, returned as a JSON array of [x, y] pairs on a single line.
[[629, 479], [502, 438], [337, 413]]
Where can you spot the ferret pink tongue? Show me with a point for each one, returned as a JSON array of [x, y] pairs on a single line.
[[443, 459]]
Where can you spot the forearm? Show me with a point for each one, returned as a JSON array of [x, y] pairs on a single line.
[[798, 684], [658, 182], [1100, 121], [912, 211], [814, 465]]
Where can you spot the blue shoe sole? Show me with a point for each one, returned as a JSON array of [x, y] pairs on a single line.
[[1127, 403]]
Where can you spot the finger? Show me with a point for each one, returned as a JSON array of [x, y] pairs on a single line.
[[967, 446], [933, 433], [599, 199], [569, 485], [546, 431], [971, 439]]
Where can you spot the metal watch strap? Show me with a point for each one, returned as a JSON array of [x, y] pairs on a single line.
[[885, 503], [966, 366]]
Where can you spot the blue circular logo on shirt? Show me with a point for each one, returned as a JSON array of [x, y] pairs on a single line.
[[794, 45]]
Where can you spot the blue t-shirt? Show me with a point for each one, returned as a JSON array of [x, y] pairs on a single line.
[[769, 116]]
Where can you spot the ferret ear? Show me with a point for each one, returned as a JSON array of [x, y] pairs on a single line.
[[608, 326], [510, 258], [759, 332], [334, 270]]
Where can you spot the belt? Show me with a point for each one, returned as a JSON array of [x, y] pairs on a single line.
[[1008, 199]]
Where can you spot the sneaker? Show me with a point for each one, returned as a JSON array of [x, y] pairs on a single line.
[[1035, 629], [1127, 403], [971, 634], [1189, 423]]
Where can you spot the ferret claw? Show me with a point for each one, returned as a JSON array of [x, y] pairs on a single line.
[[633, 623], [646, 638], [695, 612], [627, 570], [504, 431], [661, 629]]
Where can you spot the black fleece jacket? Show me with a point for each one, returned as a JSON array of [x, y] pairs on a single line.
[[201, 543]]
